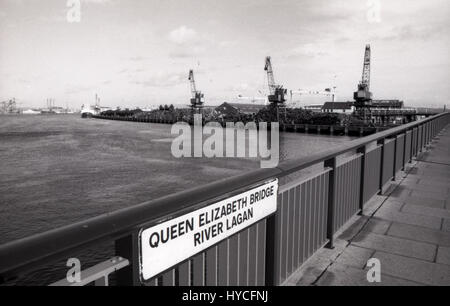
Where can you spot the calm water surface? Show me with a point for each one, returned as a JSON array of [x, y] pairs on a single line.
[[59, 169]]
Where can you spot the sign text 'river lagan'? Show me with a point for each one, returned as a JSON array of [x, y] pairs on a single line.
[[168, 243]]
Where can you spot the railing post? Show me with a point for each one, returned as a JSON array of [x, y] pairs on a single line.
[[404, 150], [394, 172], [270, 250], [331, 163], [362, 150], [417, 142], [421, 139], [127, 247], [382, 142]]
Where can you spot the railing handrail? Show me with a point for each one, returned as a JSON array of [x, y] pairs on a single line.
[[28, 253]]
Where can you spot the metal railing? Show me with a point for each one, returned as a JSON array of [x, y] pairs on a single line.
[[309, 212]]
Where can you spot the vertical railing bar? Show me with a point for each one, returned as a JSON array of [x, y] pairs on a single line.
[[272, 250], [304, 199], [353, 173], [363, 151], [307, 212], [314, 214], [288, 208], [299, 231], [339, 205], [346, 190], [319, 210], [353, 200], [404, 151], [228, 262], [127, 247], [310, 218], [264, 258], [271, 245], [238, 267], [294, 236], [248, 257], [395, 158], [331, 163], [280, 250], [339, 194], [382, 142]]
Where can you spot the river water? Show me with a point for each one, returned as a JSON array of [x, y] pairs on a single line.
[[58, 169]]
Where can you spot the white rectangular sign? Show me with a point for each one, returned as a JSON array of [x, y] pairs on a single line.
[[166, 244]]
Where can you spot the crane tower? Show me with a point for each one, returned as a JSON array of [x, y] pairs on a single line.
[[197, 99], [363, 97], [276, 92]]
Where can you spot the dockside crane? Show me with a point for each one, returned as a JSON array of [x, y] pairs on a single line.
[[363, 97], [276, 92], [197, 99]]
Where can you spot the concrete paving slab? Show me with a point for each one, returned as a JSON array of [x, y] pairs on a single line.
[[433, 171], [392, 214], [442, 191], [426, 211], [399, 192], [430, 194], [443, 256], [377, 226], [311, 270], [425, 182], [446, 225], [395, 245], [373, 204], [418, 200], [342, 275], [413, 269], [355, 256], [353, 229], [418, 233]]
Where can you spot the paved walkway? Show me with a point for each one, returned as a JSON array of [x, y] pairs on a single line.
[[408, 230]]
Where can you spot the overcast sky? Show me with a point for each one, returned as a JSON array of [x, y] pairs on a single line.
[[139, 52]]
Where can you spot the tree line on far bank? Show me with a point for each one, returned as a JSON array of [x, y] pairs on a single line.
[[168, 113]]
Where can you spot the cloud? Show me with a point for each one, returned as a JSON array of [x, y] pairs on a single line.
[[187, 43], [187, 52], [411, 32], [79, 89], [96, 1], [308, 50], [183, 35], [138, 58], [228, 43], [163, 79]]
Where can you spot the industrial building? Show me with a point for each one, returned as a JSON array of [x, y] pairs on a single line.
[[338, 107], [232, 109]]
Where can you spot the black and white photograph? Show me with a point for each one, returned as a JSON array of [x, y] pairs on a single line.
[[230, 151]]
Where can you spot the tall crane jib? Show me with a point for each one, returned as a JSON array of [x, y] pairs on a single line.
[[363, 96], [277, 93], [197, 99]]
